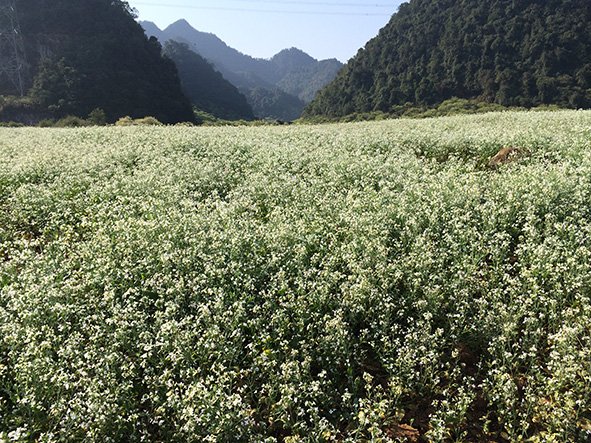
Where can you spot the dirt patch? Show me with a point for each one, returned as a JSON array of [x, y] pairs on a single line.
[[506, 155]]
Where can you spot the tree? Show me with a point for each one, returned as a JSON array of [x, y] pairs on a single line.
[[56, 87]]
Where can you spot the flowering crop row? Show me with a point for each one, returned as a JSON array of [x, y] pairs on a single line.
[[338, 283]]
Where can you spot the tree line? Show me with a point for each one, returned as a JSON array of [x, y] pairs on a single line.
[[511, 52]]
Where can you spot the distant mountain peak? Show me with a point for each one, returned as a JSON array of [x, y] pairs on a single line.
[[292, 59], [293, 71], [147, 23], [182, 23], [293, 52], [151, 29], [183, 30]]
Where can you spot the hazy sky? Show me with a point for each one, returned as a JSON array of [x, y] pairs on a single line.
[[261, 28]]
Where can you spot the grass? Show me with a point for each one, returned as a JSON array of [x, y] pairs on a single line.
[[338, 283]]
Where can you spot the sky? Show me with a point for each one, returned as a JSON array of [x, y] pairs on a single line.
[[261, 28]]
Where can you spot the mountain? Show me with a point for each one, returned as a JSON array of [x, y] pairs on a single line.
[[153, 31], [290, 60], [511, 52], [93, 54], [305, 82], [207, 89], [214, 49], [291, 78], [275, 103]]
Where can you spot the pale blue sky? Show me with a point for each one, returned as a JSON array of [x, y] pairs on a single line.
[[261, 28]]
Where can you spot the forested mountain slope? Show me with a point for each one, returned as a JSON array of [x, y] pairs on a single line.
[[93, 54], [511, 52], [207, 89]]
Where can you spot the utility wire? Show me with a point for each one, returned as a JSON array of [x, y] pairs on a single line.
[[272, 11], [314, 3]]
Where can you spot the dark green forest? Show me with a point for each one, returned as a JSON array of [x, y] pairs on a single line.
[[510, 52], [275, 103], [83, 55], [205, 87]]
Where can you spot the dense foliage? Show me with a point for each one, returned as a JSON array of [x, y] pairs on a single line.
[[92, 54], [205, 87], [352, 282], [453, 106], [274, 103], [298, 74], [511, 52], [288, 75]]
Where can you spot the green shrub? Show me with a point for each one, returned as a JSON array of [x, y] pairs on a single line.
[[46, 123], [124, 121], [453, 106], [97, 117], [145, 121], [71, 121], [11, 124], [202, 117]]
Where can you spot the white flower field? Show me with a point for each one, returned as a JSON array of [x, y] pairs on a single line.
[[363, 282]]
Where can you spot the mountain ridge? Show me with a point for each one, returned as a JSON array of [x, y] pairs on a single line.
[[290, 76]]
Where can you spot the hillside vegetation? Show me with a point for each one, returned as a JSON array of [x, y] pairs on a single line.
[[206, 88], [90, 54], [339, 283], [510, 52]]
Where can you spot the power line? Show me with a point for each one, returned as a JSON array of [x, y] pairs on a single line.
[[13, 65], [314, 3], [271, 11]]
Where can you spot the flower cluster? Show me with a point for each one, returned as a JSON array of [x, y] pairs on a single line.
[[336, 283]]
